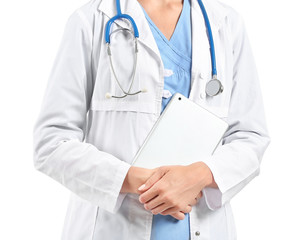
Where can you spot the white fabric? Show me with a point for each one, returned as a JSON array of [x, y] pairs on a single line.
[[86, 142]]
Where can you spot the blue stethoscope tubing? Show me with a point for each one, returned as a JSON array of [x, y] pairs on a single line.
[[210, 36], [213, 87], [119, 15]]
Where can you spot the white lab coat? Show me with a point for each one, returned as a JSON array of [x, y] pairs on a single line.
[[87, 142]]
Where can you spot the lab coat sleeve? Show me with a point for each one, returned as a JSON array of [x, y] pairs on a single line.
[[58, 135], [237, 161]]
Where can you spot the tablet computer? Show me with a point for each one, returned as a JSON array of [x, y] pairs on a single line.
[[184, 133]]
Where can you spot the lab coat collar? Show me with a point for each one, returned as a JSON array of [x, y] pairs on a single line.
[[201, 59], [215, 10], [132, 8]]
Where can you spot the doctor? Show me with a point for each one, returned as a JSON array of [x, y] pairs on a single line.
[[86, 140]]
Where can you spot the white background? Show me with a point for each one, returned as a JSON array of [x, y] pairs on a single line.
[[33, 206]]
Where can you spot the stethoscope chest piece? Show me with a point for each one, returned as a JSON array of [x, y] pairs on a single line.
[[214, 87]]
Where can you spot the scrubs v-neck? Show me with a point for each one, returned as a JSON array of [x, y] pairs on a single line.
[[177, 57]]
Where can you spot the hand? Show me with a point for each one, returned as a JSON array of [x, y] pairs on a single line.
[[135, 177], [180, 215], [171, 188]]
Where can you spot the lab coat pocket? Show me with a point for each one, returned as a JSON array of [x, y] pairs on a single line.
[[143, 102], [218, 105], [112, 83], [118, 105], [80, 219], [106, 85]]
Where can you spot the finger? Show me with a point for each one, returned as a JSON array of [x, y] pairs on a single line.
[[153, 203], [170, 211], [187, 209], [195, 200], [151, 193], [160, 209], [152, 180], [178, 215], [199, 195]]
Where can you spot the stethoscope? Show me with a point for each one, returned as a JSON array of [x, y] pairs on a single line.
[[213, 87]]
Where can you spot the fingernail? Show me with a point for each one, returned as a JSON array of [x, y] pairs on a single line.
[[141, 187]]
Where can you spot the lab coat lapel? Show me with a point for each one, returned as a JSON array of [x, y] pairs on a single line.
[[201, 58], [132, 8]]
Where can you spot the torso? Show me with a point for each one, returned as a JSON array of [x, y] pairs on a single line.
[[135, 116]]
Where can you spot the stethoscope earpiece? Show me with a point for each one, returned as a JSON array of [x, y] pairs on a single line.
[[109, 95]]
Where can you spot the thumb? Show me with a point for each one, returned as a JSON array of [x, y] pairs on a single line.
[[157, 175]]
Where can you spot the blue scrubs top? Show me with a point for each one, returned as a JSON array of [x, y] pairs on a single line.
[[176, 55]]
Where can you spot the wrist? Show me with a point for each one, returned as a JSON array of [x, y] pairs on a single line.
[[207, 179], [135, 177]]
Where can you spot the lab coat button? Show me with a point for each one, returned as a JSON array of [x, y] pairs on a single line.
[[168, 72], [197, 233], [166, 93]]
